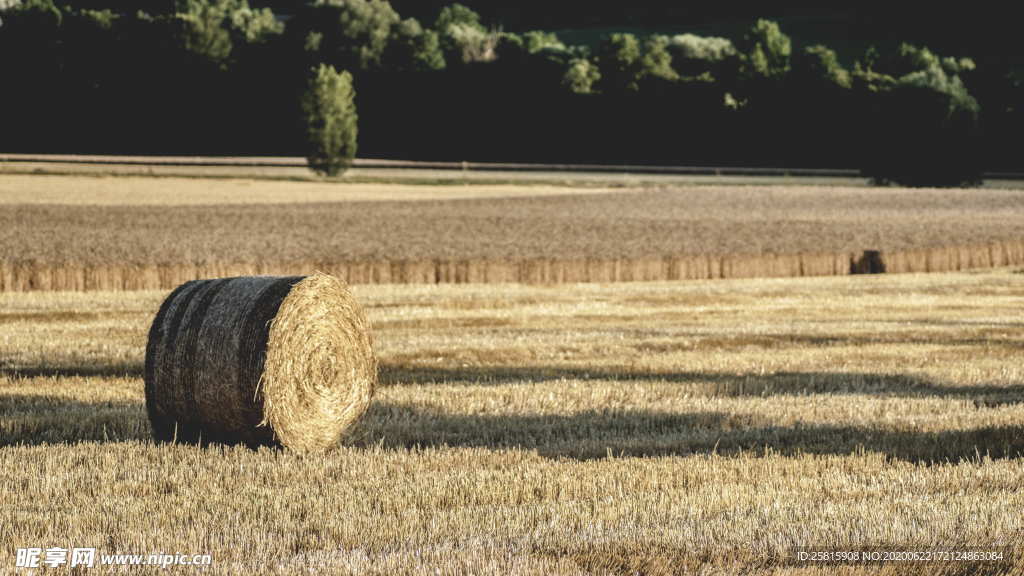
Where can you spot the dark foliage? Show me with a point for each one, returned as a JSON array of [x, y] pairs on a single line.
[[224, 76]]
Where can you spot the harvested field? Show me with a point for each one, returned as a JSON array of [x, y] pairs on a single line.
[[556, 430], [103, 237], [144, 191]]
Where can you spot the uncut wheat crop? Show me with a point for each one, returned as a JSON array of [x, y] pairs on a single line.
[[87, 220], [655, 428]]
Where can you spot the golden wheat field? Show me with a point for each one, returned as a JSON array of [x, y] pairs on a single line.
[[92, 233], [644, 428]]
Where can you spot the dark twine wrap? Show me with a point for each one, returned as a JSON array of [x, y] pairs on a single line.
[[205, 357]]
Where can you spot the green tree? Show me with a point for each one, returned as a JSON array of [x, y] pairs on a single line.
[[581, 76], [536, 41], [695, 56], [31, 41], [866, 77], [708, 48], [765, 51], [347, 34], [254, 26], [511, 49], [463, 38], [925, 123], [213, 29], [413, 49], [618, 58], [331, 122], [656, 61], [818, 67], [457, 15], [200, 31]]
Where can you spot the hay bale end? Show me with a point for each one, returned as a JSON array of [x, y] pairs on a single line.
[[259, 360]]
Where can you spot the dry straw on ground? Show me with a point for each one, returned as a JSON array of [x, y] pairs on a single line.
[[260, 361], [655, 428]]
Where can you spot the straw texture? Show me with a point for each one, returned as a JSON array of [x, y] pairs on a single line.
[[261, 361], [19, 276]]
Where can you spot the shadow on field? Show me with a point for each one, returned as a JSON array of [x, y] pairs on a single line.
[[38, 419], [48, 419], [711, 383], [121, 371], [858, 340], [596, 434], [1003, 336]]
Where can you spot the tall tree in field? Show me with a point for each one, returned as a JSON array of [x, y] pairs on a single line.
[[329, 112]]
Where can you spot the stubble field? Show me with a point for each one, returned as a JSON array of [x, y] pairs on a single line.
[[650, 427]]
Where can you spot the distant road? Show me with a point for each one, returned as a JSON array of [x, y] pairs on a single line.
[[299, 162], [295, 167]]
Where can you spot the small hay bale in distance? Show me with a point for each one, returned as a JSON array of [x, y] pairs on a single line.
[[259, 360]]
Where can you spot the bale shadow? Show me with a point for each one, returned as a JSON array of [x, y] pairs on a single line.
[[648, 433], [60, 371], [46, 419], [30, 419], [816, 341], [710, 383]]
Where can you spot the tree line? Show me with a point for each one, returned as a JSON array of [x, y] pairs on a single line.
[[221, 76]]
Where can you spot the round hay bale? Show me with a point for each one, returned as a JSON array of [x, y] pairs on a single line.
[[259, 360]]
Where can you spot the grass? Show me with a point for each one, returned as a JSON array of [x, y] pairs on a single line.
[[654, 428]]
